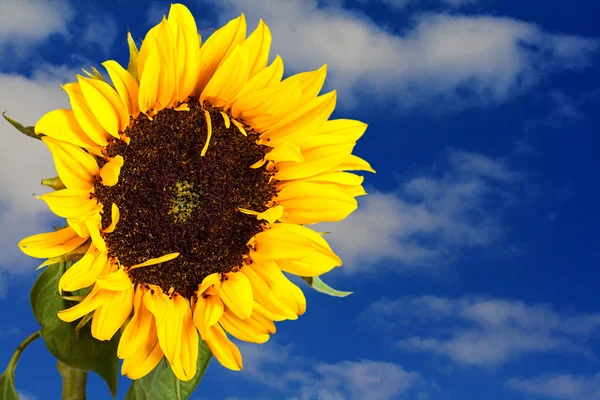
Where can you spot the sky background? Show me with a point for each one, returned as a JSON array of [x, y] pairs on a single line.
[[474, 258]]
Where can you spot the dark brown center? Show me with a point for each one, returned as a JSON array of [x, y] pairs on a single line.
[[173, 200]]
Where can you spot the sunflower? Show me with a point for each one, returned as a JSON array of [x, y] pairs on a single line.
[[188, 183]]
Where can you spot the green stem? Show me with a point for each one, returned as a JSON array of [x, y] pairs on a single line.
[[12, 364], [177, 389], [73, 382]]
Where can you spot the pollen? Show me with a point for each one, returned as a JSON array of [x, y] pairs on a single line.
[[186, 199]]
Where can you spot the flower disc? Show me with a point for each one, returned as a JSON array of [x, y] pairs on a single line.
[[172, 200]]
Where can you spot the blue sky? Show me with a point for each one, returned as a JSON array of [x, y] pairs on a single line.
[[473, 259]]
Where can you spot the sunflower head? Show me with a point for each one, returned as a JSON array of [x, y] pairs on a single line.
[[186, 185]]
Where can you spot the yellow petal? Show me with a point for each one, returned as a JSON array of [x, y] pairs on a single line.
[[84, 272], [285, 152], [259, 43], [93, 226], [314, 264], [228, 79], [117, 281], [52, 244], [242, 330], [337, 178], [189, 343], [226, 120], [297, 245], [112, 314], [349, 128], [179, 338], [272, 214], [145, 360], [236, 293], [351, 163], [267, 107], [62, 125], [316, 161], [158, 260], [157, 303], [111, 170], [188, 49], [75, 167], [69, 203], [106, 105], [307, 142], [223, 349], [208, 133], [240, 127], [210, 280], [114, 213], [310, 82], [286, 291], [168, 84], [139, 329], [149, 72], [74, 255], [92, 301], [311, 115], [84, 115], [80, 224], [265, 296], [263, 79], [309, 203], [183, 16], [217, 49], [207, 312], [126, 86]]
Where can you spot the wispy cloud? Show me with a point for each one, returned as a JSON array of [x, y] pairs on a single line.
[[155, 12], [483, 331], [23, 395], [301, 378], [560, 386], [431, 217], [439, 59], [101, 30], [400, 4], [24, 23], [562, 109], [24, 162]]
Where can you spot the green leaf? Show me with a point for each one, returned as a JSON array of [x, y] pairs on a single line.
[[95, 74], [320, 286], [7, 385], [160, 383], [132, 67], [26, 130], [55, 183], [78, 350], [7, 379]]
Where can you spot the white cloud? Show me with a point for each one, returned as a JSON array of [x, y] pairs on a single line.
[[404, 3], [562, 110], [364, 379], [24, 162], [100, 29], [561, 387], [449, 60], [430, 218], [23, 395], [25, 22], [482, 331], [276, 367]]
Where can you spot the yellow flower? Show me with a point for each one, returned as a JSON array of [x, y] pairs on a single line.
[[187, 192]]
